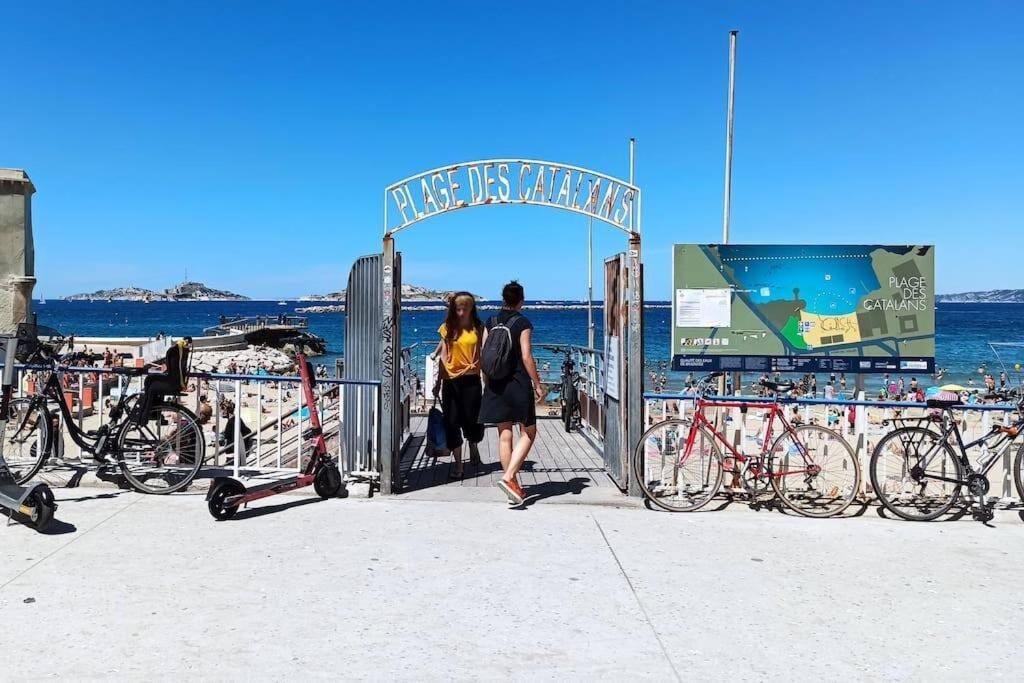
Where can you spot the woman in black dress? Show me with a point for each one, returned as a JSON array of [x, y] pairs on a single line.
[[513, 400]]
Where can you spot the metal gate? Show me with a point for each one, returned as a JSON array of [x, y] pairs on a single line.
[[623, 363], [364, 328], [614, 347]]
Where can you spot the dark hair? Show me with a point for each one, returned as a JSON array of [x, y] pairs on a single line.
[[512, 294], [451, 320]]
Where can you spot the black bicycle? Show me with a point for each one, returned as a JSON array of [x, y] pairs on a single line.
[[917, 474], [159, 452], [568, 397]]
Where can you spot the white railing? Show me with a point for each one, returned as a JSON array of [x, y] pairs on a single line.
[[862, 423], [273, 407]]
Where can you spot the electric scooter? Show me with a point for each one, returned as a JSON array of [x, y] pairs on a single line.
[[33, 503], [227, 494]]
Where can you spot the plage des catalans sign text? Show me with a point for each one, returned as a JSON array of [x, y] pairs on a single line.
[[512, 181]]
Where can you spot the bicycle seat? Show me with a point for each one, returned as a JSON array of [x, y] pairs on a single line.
[[943, 400], [778, 387]]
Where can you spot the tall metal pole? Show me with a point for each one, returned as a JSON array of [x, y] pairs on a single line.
[[727, 210], [737, 378], [633, 354], [590, 282], [632, 160]]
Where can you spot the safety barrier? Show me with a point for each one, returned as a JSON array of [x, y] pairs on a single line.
[[272, 406], [590, 366], [870, 421]]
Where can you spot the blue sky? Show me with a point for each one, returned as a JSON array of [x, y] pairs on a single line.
[[250, 143]]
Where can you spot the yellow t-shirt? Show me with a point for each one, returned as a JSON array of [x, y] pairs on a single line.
[[463, 353]]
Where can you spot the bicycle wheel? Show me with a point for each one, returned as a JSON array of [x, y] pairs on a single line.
[[1018, 476], [163, 452], [568, 403], [814, 471], [28, 434], [915, 474], [670, 477]]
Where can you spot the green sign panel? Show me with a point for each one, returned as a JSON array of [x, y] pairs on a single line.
[[807, 308]]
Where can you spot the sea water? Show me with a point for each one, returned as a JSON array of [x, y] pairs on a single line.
[[961, 344]]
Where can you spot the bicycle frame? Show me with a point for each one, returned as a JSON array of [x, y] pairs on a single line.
[[774, 411], [53, 391], [950, 427]]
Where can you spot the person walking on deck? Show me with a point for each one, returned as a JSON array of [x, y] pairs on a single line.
[[512, 386], [458, 381]]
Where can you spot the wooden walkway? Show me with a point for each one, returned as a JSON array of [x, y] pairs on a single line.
[[560, 464]]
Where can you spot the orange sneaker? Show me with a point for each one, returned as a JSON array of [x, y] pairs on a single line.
[[513, 491]]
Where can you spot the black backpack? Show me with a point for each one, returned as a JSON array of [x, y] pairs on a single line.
[[497, 358]]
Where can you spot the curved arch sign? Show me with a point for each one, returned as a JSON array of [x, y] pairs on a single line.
[[512, 181]]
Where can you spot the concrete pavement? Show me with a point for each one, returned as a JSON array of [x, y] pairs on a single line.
[[382, 589]]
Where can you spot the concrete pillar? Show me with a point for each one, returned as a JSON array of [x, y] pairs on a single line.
[[17, 253]]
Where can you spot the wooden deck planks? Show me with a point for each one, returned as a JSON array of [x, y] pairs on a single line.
[[557, 459]]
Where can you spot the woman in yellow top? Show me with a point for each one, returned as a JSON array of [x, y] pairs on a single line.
[[459, 378]]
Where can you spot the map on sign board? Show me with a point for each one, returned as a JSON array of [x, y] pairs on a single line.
[[808, 308]]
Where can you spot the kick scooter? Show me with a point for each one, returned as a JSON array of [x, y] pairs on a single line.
[[227, 493], [32, 503]]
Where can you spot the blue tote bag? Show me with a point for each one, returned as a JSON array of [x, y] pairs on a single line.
[[437, 442]]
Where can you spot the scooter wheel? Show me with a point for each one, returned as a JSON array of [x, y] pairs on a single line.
[[327, 482], [222, 491], [43, 507]]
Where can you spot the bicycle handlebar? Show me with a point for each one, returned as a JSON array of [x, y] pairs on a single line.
[[131, 372]]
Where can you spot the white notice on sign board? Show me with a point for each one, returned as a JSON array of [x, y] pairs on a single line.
[[611, 368], [703, 307]]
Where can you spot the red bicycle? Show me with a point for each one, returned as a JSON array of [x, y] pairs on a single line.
[[811, 469]]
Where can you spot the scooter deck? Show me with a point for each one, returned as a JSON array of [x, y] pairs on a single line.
[[12, 495], [260, 484]]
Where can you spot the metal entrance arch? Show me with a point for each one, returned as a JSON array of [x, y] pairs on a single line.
[[455, 187]]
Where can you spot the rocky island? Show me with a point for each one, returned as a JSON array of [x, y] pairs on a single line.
[[409, 293], [992, 296], [186, 291]]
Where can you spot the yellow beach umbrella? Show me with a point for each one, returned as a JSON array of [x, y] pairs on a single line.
[[953, 387]]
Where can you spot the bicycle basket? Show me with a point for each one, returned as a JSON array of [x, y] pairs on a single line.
[[36, 341]]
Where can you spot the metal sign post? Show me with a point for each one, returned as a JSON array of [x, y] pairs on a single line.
[[390, 340], [635, 338]]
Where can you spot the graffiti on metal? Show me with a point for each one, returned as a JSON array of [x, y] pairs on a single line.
[[511, 181]]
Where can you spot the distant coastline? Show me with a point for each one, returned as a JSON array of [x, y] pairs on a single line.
[[485, 306], [186, 291], [991, 296]]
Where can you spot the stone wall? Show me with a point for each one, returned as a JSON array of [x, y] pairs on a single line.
[[17, 253]]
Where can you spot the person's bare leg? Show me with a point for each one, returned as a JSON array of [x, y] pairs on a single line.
[[457, 455], [527, 436], [505, 444]]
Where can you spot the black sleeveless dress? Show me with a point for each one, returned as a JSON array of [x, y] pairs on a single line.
[[510, 399]]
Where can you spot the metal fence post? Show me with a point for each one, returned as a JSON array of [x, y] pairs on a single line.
[[238, 424]]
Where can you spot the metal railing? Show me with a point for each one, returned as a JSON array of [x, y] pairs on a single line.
[[590, 366], [409, 387], [273, 407], [258, 322], [861, 422]]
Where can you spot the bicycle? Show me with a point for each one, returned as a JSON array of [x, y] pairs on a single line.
[[918, 476], [679, 465], [568, 399], [159, 453]]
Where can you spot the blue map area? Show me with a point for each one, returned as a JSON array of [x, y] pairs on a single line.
[[830, 279]]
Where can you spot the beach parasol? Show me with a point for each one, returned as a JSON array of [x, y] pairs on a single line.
[[953, 387]]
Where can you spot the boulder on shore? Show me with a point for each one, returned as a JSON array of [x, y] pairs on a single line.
[[247, 361]]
